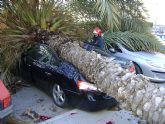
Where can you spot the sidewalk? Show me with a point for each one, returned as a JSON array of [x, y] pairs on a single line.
[[103, 117], [36, 100]]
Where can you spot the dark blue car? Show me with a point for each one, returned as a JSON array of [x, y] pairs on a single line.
[[60, 78]]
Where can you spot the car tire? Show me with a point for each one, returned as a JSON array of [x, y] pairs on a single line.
[[59, 96], [138, 69]]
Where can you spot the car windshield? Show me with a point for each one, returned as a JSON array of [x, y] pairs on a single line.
[[54, 59], [44, 54]]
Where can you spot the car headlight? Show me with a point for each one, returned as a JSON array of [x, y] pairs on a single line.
[[82, 85], [156, 64]]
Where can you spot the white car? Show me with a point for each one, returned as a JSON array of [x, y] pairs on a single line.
[[149, 64]]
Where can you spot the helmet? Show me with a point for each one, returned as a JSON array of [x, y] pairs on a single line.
[[97, 31]]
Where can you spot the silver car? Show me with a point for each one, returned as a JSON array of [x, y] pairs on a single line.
[[152, 65]]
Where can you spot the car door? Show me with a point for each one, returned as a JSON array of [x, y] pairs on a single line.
[[55, 73], [47, 73]]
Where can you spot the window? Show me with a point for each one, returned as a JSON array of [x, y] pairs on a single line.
[[35, 54], [116, 47], [38, 52], [43, 54]]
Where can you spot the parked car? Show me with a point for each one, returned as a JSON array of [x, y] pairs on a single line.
[[124, 63], [60, 78], [5, 103], [150, 64]]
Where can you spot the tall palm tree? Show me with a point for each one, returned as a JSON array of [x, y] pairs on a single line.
[[30, 21]]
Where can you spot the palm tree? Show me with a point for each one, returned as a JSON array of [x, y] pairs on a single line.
[[30, 21]]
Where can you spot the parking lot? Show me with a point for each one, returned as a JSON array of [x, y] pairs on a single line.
[[31, 98]]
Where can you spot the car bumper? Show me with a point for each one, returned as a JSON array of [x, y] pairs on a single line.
[[4, 113], [157, 80], [97, 101], [157, 76]]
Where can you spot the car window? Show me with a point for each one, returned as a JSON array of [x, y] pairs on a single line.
[[35, 53], [116, 47], [39, 53]]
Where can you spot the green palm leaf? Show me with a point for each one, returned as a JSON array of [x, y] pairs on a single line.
[[134, 41], [109, 11]]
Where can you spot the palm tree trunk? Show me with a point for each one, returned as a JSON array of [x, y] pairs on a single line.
[[135, 92]]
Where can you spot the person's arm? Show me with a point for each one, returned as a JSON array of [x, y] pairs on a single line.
[[94, 42]]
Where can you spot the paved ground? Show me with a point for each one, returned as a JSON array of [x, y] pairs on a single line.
[[102, 117], [32, 98]]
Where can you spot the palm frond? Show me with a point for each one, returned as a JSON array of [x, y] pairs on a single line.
[[135, 25], [109, 11], [29, 17], [96, 10], [134, 41], [132, 8], [84, 8]]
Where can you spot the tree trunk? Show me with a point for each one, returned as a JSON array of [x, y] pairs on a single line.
[[135, 92]]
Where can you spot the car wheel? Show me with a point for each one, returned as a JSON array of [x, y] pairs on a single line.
[[138, 69], [59, 96]]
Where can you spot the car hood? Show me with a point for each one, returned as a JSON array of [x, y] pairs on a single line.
[[151, 56], [67, 69]]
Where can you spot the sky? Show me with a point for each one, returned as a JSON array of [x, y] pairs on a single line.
[[156, 10]]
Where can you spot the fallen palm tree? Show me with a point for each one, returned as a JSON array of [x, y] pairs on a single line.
[[135, 92]]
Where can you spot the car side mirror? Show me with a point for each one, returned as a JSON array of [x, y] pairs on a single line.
[[112, 50]]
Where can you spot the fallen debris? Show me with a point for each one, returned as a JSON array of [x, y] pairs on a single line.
[[109, 122], [35, 116], [32, 115], [44, 118]]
